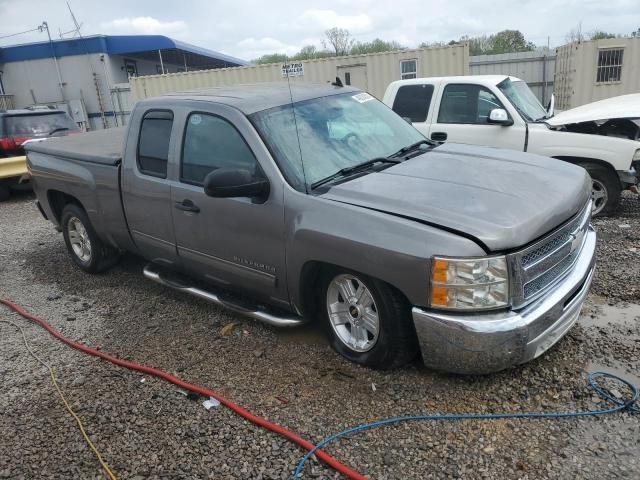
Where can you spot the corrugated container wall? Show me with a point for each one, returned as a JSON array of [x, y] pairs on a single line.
[[371, 72], [595, 70], [536, 68]]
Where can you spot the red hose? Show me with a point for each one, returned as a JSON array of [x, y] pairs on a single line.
[[289, 435]]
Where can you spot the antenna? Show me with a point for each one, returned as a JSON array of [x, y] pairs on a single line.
[[75, 22], [295, 122]]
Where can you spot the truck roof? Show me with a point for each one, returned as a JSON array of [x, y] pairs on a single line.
[[478, 79], [262, 96]]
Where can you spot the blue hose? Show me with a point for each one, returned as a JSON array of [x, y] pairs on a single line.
[[617, 406]]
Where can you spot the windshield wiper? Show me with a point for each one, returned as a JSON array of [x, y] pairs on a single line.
[[61, 129], [355, 168], [411, 147]]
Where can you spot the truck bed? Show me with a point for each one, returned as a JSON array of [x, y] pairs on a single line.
[[102, 146]]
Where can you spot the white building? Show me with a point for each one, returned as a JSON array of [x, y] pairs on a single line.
[[85, 75]]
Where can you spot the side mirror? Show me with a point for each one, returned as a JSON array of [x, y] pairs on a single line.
[[235, 182], [499, 116], [552, 106]]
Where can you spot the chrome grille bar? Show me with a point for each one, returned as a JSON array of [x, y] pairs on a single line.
[[538, 267]]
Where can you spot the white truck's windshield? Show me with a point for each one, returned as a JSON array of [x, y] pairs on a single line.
[[523, 100], [334, 133]]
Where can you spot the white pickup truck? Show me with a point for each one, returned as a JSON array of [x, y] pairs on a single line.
[[501, 111]]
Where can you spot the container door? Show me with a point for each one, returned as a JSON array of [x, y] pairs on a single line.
[[354, 75]]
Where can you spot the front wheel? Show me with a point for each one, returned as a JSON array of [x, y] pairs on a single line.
[[368, 321], [605, 190], [85, 247]]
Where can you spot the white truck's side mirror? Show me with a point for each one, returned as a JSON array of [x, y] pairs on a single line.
[[552, 106], [499, 116]]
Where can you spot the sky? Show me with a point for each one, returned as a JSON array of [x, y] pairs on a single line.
[[250, 28]]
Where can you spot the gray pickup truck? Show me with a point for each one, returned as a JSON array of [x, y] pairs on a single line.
[[319, 203]]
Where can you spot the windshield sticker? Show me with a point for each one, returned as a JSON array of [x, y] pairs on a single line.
[[362, 97], [195, 119]]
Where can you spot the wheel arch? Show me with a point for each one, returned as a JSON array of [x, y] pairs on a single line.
[[586, 160], [312, 271], [58, 200]]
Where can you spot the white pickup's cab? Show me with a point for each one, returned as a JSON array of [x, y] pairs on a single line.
[[502, 112]]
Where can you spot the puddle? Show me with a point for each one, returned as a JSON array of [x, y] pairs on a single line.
[[615, 368], [598, 314]]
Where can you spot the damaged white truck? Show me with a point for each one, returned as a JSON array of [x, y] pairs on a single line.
[[501, 111]]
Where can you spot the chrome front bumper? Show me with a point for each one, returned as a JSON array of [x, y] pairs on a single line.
[[493, 341]]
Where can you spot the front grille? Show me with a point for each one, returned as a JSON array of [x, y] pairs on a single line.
[[536, 268], [539, 284], [546, 249]]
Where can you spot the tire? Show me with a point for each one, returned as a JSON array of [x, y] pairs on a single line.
[[390, 343], [85, 247], [605, 191], [5, 193]]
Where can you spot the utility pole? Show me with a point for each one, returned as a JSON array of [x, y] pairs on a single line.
[[45, 26]]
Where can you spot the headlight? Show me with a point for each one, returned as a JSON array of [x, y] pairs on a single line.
[[636, 156], [469, 283]]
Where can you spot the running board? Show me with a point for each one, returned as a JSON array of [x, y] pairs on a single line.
[[154, 273]]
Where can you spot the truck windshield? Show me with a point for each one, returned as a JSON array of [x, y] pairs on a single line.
[[335, 132], [523, 100]]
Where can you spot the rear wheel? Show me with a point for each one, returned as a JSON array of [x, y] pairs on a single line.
[[605, 190], [85, 247], [368, 321]]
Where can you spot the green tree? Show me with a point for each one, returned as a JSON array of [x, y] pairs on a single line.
[[600, 35], [508, 41], [271, 58], [375, 46], [432, 44]]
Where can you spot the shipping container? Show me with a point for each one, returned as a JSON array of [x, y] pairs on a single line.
[[371, 72], [596, 69]]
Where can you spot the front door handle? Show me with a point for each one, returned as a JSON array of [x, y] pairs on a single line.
[[187, 205], [439, 136]]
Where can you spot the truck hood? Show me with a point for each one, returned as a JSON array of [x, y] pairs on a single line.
[[502, 199], [624, 106]]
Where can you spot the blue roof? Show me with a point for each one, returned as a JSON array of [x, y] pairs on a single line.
[[109, 44]]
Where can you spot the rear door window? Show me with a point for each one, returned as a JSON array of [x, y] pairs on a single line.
[[153, 143], [412, 102]]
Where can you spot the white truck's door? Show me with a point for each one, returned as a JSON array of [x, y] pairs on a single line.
[[461, 113]]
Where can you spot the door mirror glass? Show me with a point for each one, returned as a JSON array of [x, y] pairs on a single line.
[[235, 182], [499, 116]]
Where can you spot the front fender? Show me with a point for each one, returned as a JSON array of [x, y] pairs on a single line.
[[392, 249]]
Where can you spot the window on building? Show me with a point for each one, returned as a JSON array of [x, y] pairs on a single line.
[[609, 65], [131, 67], [467, 103], [153, 143], [412, 102], [211, 142], [408, 69], [347, 78]]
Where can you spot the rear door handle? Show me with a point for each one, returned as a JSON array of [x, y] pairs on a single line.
[[439, 136], [187, 205]]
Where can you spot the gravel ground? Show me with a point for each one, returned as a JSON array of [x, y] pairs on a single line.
[[145, 429]]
